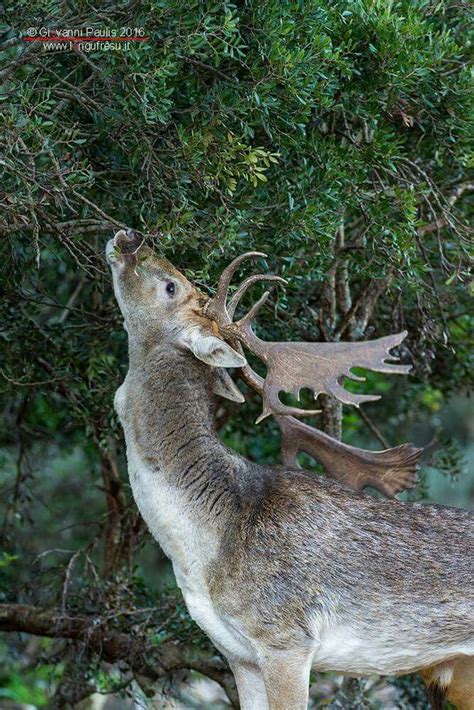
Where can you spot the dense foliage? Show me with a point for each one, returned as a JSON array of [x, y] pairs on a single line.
[[332, 135]]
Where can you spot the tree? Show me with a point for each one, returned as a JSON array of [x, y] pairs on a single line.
[[333, 136]]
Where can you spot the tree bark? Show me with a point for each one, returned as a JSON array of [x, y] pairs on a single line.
[[331, 416]]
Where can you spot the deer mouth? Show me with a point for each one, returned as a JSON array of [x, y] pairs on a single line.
[[125, 245]]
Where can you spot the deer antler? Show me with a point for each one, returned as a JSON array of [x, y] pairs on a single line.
[[390, 471], [218, 309], [294, 366], [319, 367]]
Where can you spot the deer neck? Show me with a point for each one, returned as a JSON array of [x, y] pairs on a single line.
[[184, 480]]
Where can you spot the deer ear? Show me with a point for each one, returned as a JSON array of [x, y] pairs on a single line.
[[225, 386], [212, 350]]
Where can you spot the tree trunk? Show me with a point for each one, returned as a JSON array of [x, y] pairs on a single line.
[[350, 696], [331, 416]]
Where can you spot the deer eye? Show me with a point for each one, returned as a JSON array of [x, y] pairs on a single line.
[[170, 288]]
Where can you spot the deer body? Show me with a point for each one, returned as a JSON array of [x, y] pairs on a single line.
[[350, 592], [285, 570]]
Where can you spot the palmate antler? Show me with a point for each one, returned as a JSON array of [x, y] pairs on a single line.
[[319, 367]]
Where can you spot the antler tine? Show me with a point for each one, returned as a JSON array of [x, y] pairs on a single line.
[[285, 410], [244, 324], [245, 285], [217, 307]]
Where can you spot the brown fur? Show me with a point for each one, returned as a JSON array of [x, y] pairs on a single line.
[[452, 680]]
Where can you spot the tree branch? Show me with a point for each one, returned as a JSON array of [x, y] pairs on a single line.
[[452, 199], [153, 662]]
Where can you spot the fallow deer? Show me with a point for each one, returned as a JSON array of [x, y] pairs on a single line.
[[284, 570]]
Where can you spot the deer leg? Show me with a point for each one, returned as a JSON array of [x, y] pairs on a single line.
[[250, 686], [286, 677]]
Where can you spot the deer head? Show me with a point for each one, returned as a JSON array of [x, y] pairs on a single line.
[[159, 304]]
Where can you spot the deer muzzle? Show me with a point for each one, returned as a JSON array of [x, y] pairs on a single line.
[[127, 241]]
